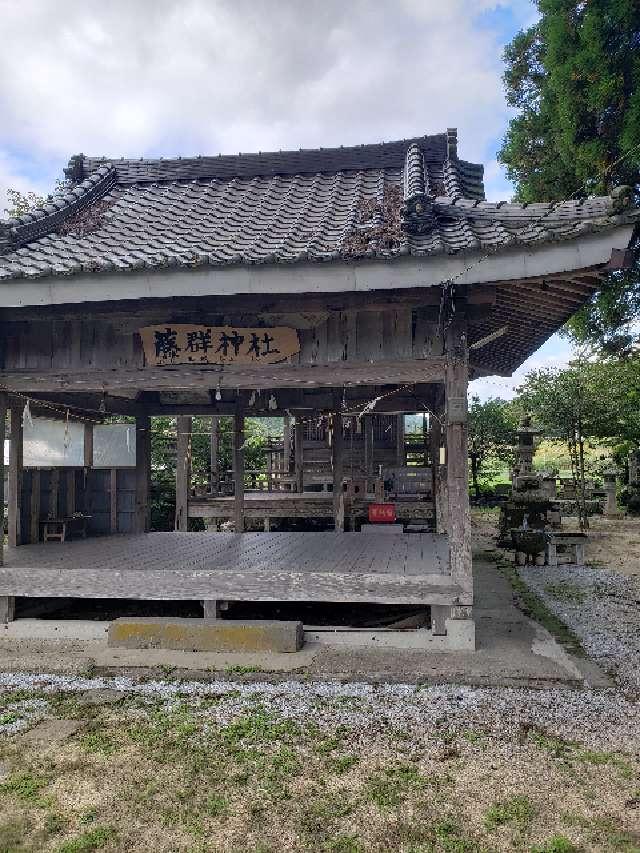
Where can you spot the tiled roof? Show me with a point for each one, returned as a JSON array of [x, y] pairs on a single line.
[[412, 197]]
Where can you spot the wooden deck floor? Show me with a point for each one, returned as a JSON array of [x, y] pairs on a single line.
[[358, 567]]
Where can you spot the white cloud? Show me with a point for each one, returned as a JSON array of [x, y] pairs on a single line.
[[202, 76], [555, 353]]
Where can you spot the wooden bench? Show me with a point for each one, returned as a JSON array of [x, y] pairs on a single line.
[[61, 529]]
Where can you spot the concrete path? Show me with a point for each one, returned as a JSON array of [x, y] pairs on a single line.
[[512, 650]]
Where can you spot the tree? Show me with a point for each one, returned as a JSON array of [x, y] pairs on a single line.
[[21, 203], [574, 79], [492, 435], [589, 399], [163, 457]]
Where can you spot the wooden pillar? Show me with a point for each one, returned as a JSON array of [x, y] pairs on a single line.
[[214, 456], [439, 473], [113, 500], [337, 465], [368, 448], [457, 378], [7, 603], [183, 471], [34, 509], [54, 493], [88, 445], [71, 492], [298, 441], [15, 476], [286, 445], [143, 473], [400, 448], [238, 472]]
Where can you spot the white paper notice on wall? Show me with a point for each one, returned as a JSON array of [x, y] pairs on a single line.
[[114, 446], [52, 444]]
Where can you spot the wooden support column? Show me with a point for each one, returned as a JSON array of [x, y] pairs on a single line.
[[183, 471], [439, 473], [286, 445], [113, 500], [143, 474], [456, 384], [34, 509], [54, 494], [368, 449], [88, 445], [71, 492], [238, 472], [298, 441], [401, 458], [7, 603], [214, 456], [337, 465], [15, 476]]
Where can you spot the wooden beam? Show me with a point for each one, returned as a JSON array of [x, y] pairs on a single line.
[[457, 452], [298, 442], [264, 584], [238, 472], [337, 464], [183, 471], [15, 476], [267, 377], [143, 474]]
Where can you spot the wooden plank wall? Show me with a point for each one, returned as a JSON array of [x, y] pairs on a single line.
[[105, 343], [107, 495]]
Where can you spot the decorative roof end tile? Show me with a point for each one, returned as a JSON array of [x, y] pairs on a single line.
[[418, 208]]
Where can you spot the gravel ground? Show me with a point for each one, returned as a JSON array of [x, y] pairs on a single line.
[[602, 607], [598, 719]]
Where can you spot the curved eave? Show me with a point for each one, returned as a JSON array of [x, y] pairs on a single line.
[[509, 264]]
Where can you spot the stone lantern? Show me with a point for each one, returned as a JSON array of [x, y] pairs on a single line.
[[610, 487]]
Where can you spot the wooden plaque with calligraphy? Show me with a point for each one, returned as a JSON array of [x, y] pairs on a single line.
[[177, 343]]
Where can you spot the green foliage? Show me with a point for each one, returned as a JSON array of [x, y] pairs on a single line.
[[492, 426], [94, 839], [515, 810], [599, 399], [557, 844], [163, 457], [21, 203], [574, 80], [588, 399], [26, 787]]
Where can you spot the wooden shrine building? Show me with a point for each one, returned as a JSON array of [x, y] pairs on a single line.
[[330, 283]]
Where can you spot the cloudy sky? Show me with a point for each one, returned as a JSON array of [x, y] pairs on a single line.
[[166, 77]]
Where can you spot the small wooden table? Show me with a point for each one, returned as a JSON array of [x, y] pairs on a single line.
[[61, 529]]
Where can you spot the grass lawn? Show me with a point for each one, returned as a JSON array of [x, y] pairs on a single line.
[[226, 773]]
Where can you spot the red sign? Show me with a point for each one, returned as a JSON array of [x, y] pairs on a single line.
[[382, 513]]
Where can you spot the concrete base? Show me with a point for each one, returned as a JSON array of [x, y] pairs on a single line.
[[460, 637], [461, 634], [204, 635]]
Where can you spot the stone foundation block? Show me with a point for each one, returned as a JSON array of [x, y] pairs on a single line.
[[461, 635], [203, 635]]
